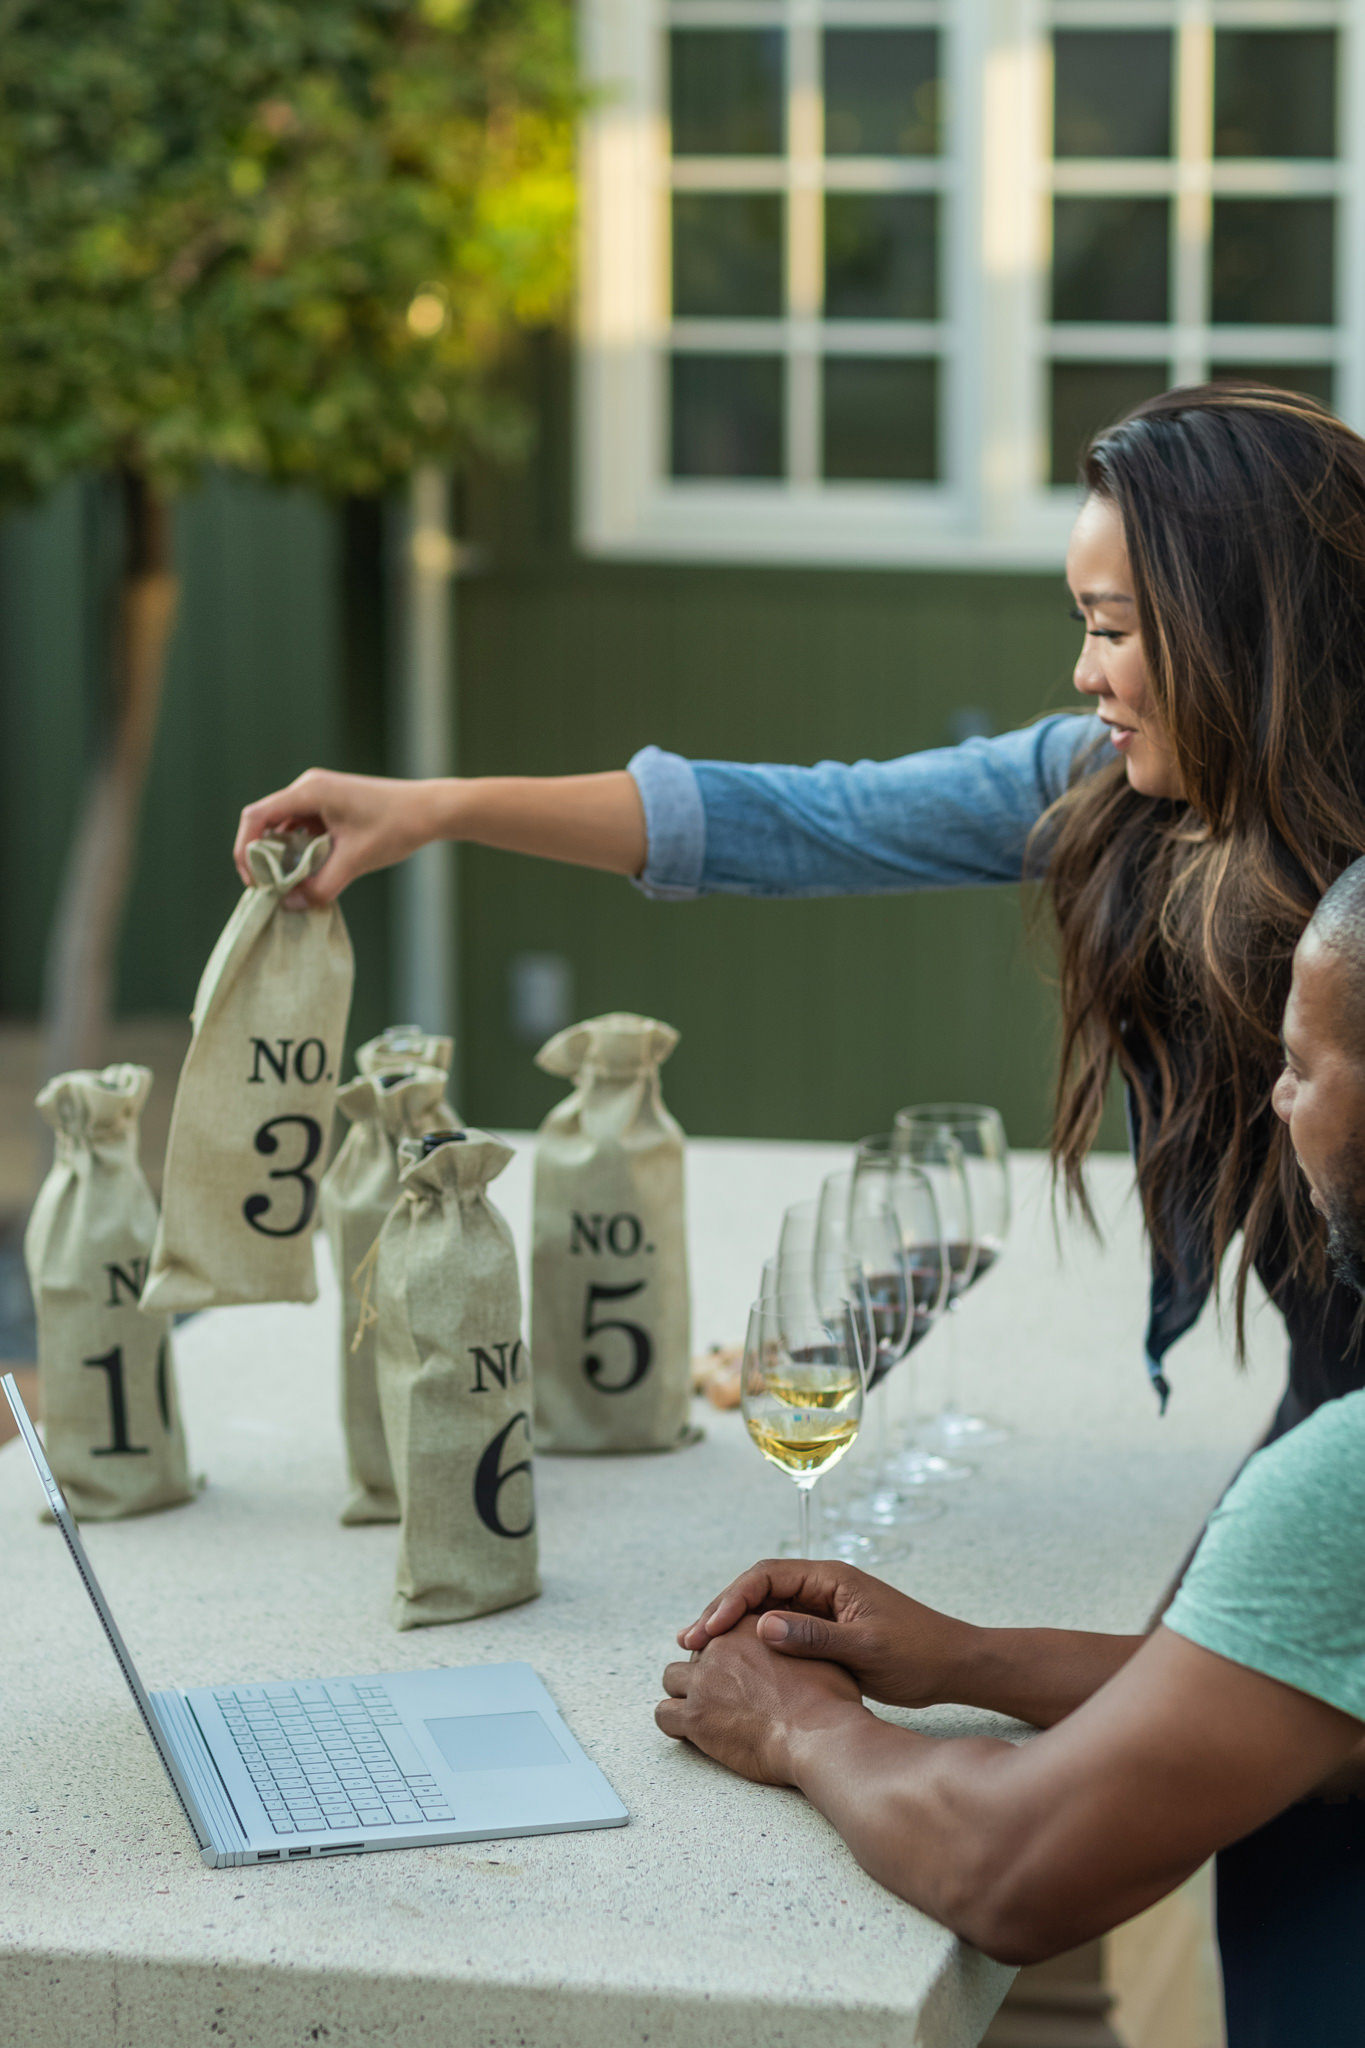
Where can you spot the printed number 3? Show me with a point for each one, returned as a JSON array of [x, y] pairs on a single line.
[[257, 1206], [641, 1346]]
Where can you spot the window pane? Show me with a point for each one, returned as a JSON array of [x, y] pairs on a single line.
[[881, 420], [881, 256], [727, 92], [1111, 92], [882, 92], [1275, 93], [1314, 380], [1110, 259], [727, 255], [1273, 261], [727, 415], [1088, 396]]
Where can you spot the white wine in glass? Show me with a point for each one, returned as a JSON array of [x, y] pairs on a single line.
[[801, 1390]]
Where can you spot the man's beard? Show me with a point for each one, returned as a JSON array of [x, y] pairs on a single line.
[[1346, 1236]]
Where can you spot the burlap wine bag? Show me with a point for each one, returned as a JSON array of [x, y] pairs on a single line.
[[111, 1420], [403, 1045], [455, 1386], [253, 1109], [609, 1314], [358, 1191]]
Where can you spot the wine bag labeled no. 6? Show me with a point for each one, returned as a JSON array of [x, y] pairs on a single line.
[[110, 1415], [253, 1108], [455, 1385], [609, 1319]]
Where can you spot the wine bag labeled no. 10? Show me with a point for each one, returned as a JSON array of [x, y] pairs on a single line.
[[253, 1109], [384, 1107], [455, 1385], [609, 1319], [111, 1420]]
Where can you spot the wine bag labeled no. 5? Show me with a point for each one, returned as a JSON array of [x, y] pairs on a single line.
[[253, 1109], [110, 1415], [609, 1319], [455, 1385]]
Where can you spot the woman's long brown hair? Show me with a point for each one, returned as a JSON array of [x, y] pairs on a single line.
[[1243, 510]]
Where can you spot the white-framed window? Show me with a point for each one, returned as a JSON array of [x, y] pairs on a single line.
[[858, 276]]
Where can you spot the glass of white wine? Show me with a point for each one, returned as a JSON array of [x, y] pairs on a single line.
[[801, 1389]]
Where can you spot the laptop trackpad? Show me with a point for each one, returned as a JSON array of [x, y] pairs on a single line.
[[495, 1742]]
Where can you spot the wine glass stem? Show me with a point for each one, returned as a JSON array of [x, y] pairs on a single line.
[[882, 1426], [952, 1362], [803, 1493]]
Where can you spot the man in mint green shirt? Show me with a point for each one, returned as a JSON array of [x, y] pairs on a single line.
[[1234, 1727]]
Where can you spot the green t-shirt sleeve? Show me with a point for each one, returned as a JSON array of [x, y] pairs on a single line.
[[1278, 1582]]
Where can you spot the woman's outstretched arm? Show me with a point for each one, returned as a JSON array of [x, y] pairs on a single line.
[[593, 821]]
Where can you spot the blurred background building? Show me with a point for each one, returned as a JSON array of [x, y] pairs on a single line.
[[857, 278]]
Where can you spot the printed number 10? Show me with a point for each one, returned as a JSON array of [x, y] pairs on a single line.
[[112, 1364]]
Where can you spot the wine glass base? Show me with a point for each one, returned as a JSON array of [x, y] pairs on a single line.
[[921, 1468], [860, 1547], [886, 1508], [952, 1432]]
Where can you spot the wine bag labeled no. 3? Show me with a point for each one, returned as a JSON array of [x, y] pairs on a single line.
[[253, 1108]]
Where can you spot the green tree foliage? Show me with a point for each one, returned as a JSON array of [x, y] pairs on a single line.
[[292, 239]]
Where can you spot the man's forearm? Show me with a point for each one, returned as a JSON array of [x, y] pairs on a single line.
[[1038, 1675], [596, 821], [918, 1813]]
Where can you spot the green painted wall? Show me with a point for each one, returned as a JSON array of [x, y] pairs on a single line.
[[813, 1018], [275, 598]]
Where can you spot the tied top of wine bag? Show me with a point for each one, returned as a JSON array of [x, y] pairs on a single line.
[[95, 1116], [402, 1046], [618, 1047], [96, 1108], [253, 1108]]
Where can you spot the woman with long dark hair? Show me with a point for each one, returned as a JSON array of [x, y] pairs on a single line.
[[1184, 834]]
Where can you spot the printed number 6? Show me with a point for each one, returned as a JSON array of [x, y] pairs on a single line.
[[489, 1482], [256, 1206], [642, 1348]]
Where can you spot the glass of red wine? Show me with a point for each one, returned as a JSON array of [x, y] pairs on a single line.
[[977, 1132], [884, 1172], [888, 1215]]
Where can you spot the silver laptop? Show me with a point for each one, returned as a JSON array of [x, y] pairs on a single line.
[[329, 1767]]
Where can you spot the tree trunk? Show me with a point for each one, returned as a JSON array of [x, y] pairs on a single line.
[[79, 976]]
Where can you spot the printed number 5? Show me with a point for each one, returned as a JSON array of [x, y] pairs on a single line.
[[256, 1206], [641, 1346]]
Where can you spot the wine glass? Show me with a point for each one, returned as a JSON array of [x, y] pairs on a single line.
[[884, 1174], [801, 1390], [823, 1273], [979, 1134]]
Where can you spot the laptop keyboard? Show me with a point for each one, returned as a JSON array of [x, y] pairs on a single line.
[[330, 1756]]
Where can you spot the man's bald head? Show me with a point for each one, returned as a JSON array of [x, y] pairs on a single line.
[[1321, 1093], [1338, 926]]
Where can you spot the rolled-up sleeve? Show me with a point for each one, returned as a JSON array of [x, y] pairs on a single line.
[[949, 817]]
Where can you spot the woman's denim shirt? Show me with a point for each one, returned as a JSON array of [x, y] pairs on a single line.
[[947, 818]]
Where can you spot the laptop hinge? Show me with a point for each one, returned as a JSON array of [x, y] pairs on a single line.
[[225, 1835]]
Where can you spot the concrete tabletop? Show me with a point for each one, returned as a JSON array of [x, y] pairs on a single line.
[[725, 1915]]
